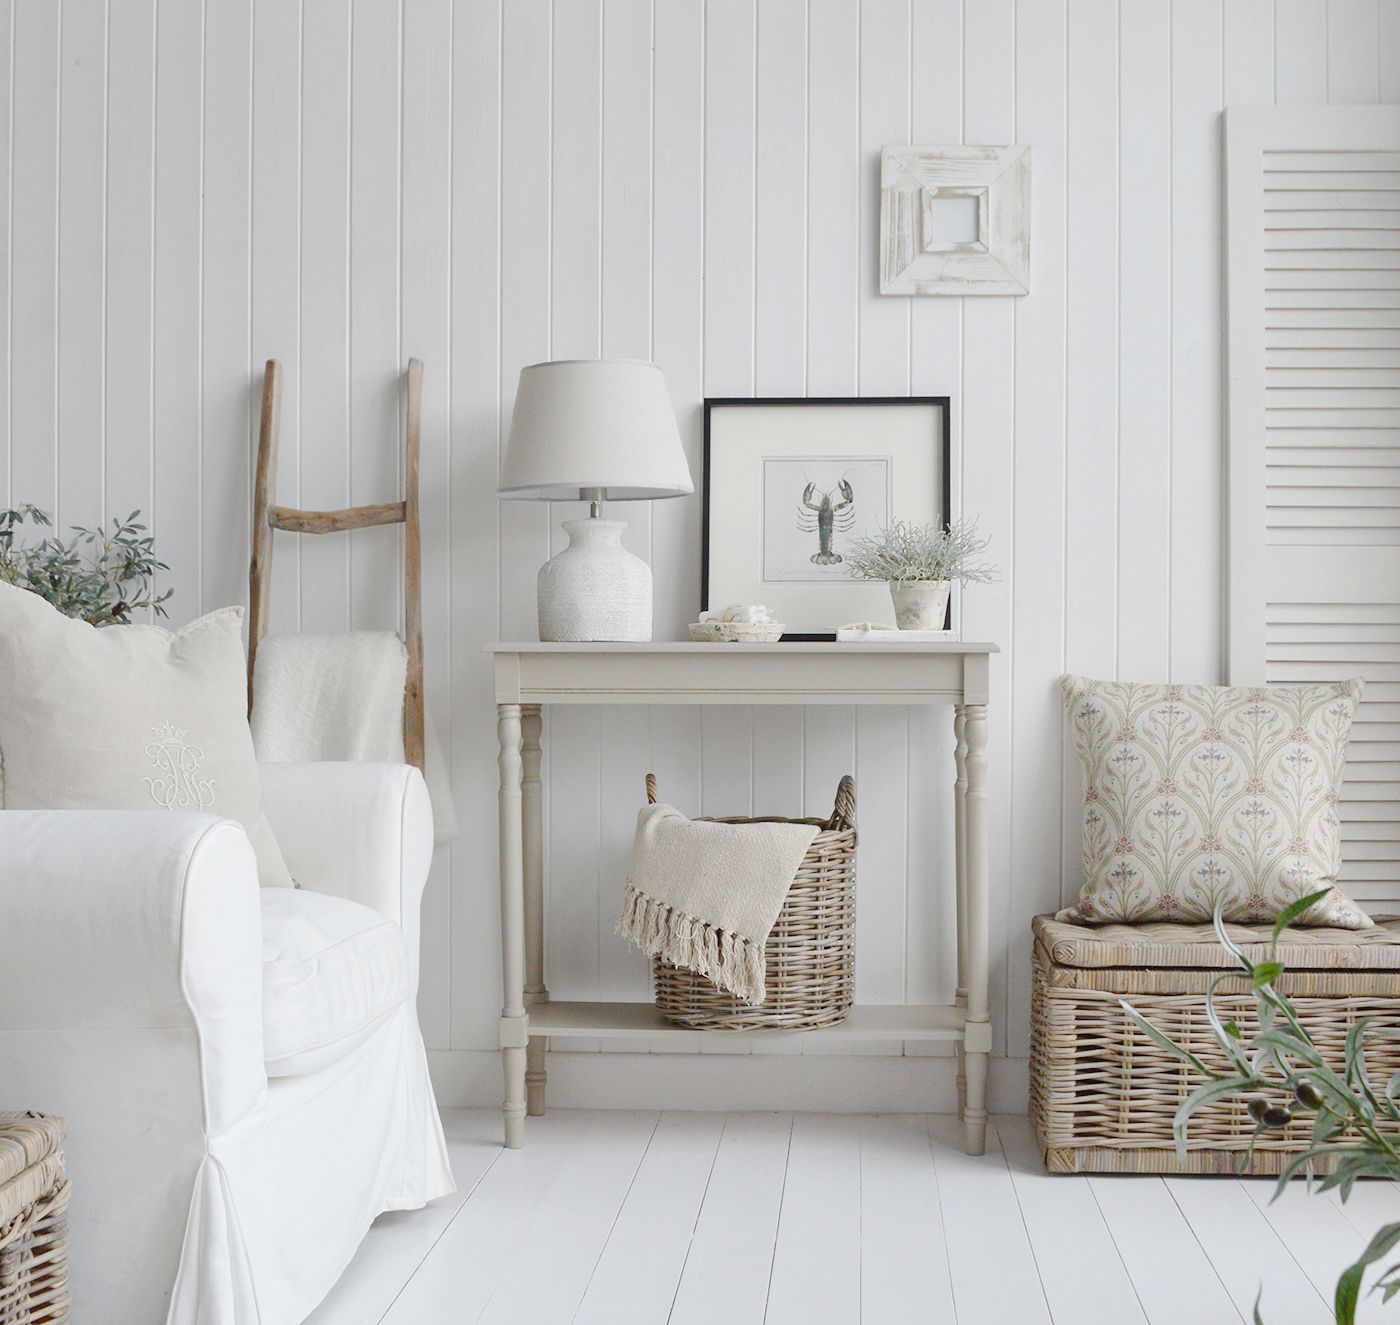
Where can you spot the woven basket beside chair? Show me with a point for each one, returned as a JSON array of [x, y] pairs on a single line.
[[33, 1221], [810, 954]]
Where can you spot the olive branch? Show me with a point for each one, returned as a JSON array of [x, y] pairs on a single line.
[[1281, 1059], [99, 577]]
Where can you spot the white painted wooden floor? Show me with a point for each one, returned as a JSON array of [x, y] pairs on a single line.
[[802, 1219]]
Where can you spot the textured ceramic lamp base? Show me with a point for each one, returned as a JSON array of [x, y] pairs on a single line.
[[595, 589]]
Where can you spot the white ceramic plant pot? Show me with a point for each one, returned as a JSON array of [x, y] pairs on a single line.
[[595, 589], [921, 604]]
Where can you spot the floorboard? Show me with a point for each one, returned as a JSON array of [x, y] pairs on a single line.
[[816, 1259], [1247, 1253], [903, 1255], [777, 1219], [727, 1272], [1172, 1276], [458, 1276], [1067, 1232], [546, 1279], [398, 1242], [1320, 1237], [993, 1269], [635, 1280]]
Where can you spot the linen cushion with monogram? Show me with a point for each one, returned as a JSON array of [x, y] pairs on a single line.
[[128, 718], [1196, 793]]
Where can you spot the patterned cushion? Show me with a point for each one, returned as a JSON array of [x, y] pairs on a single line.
[[1193, 793]]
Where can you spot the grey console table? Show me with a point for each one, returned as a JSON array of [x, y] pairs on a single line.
[[529, 676]]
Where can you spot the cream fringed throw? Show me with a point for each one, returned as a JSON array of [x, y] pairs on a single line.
[[704, 896]]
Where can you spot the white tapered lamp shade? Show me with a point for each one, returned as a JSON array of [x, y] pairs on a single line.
[[594, 430]]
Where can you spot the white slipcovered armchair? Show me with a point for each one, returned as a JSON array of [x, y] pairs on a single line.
[[241, 1068]]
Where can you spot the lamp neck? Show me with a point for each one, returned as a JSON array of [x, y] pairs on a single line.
[[594, 497]]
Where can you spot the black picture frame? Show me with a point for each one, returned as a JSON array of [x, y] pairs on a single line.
[[712, 403]]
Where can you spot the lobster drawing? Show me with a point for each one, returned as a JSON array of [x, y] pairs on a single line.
[[824, 517]]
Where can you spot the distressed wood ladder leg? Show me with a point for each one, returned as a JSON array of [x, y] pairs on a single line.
[[977, 1044], [532, 811], [514, 1020], [960, 878]]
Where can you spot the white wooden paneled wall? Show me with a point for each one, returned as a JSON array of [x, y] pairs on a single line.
[[191, 188]]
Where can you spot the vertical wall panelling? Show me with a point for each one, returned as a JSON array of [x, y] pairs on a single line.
[[81, 250], [226, 425], [1353, 74], [576, 178], [325, 378], [1197, 438], [1248, 40], [473, 355], [426, 154], [1039, 480], [276, 306], [625, 277], [192, 189], [990, 408], [524, 283], [6, 195], [834, 179], [780, 201], [1300, 52], [935, 365], [34, 258], [1388, 53], [677, 295], [377, 358], [1144, 339], [175, 504], [576, 209], [780, 315]]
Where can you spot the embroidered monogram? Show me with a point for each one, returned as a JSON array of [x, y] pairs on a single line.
[[179, 786]]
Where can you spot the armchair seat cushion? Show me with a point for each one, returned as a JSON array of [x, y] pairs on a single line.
[[333, 972]]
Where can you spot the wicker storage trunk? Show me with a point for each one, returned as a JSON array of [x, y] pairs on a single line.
[[1103, 1096], [809, 959], [33, 1221]]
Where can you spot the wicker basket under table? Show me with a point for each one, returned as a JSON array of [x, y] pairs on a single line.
[[33, 1221], [809, 959], [1102, 1096]]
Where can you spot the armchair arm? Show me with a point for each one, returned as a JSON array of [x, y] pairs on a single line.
[[357, 830], [137, 921]]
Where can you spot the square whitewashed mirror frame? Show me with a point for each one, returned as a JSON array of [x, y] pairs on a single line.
[[914, 260]]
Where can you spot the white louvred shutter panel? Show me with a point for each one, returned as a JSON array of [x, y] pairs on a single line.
[[1313, 425]]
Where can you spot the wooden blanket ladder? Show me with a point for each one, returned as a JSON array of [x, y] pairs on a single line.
[[267, 517]]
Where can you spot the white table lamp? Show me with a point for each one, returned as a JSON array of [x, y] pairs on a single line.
[[594, 430]]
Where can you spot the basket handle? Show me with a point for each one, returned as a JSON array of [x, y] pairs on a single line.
[[651, 789], [844, 814]]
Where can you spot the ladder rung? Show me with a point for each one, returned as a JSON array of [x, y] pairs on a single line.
[[334, 522]]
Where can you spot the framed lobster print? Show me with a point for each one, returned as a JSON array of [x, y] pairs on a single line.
[[790, 482]]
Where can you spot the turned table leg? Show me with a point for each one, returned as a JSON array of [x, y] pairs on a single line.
[[514, 1020], [977, 1044], [960, 883], [532, 811]]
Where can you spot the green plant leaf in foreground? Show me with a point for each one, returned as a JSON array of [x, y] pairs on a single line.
[[1349, 1285]]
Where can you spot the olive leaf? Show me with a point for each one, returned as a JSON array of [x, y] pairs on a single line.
[[99, 577], [1281, 1060]]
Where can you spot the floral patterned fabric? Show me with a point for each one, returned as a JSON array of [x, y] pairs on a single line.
[[1193, 793]]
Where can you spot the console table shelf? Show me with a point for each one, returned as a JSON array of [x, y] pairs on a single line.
[[531, 675], [643, 1021]]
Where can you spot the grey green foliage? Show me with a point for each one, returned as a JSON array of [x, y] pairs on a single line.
[[903, 553], [1283, 1073], [98, 577]]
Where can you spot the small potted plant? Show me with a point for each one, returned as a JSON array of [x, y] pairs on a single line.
[[920, 562]]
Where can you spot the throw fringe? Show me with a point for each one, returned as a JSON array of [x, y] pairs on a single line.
[[729, 961]]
